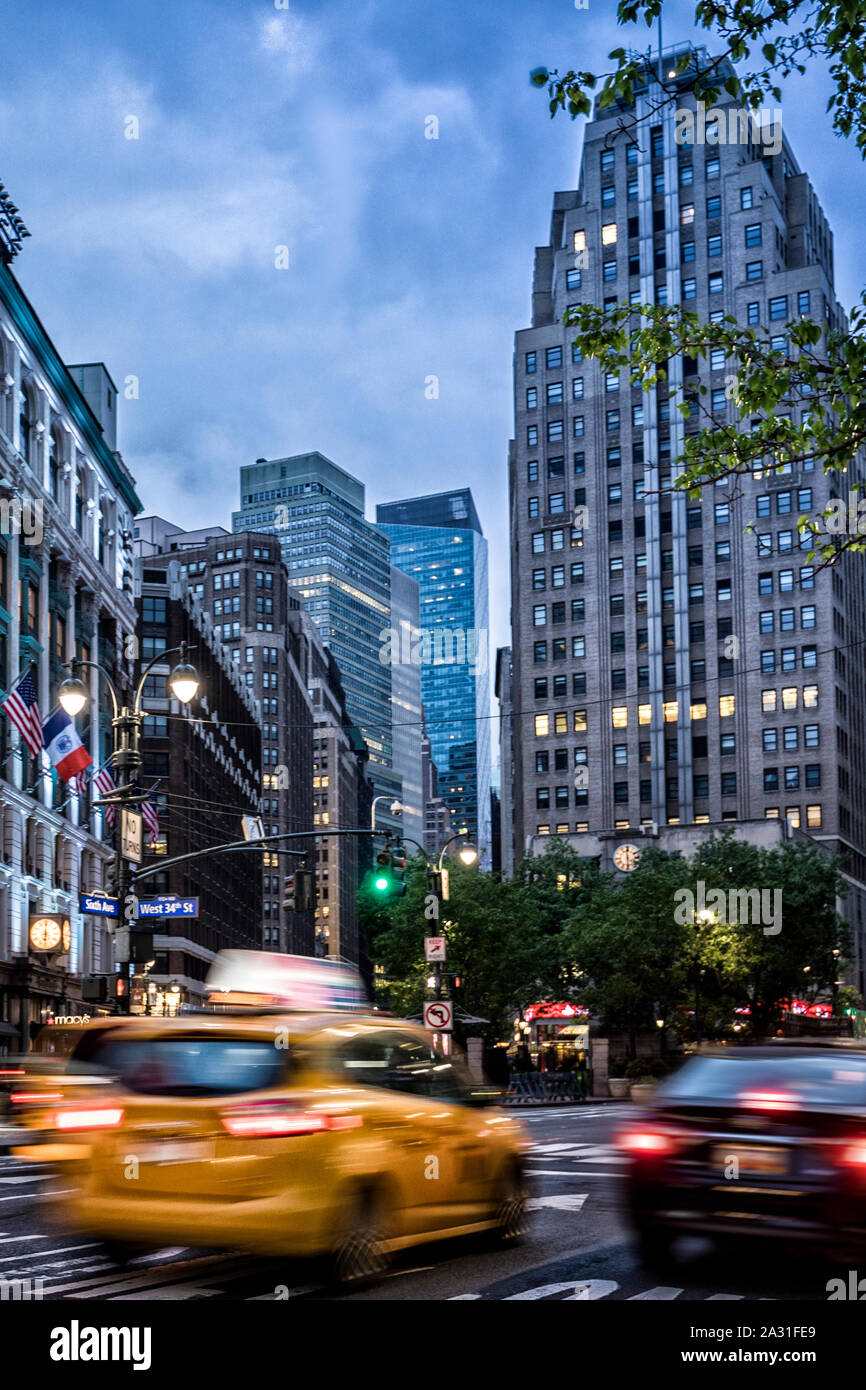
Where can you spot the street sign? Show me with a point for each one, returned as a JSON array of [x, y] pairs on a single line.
[[167, 907], [439, 1016], [434, 948], [252, 827], [131, 835], [99, 905]]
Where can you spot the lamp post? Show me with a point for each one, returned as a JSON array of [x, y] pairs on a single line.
[[126, 724], [468, 855]]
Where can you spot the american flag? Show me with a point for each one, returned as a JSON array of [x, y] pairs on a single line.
[[21, 705], [151, 820], [104, 783]]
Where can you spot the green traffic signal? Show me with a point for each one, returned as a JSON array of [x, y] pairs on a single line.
[[381, 884]]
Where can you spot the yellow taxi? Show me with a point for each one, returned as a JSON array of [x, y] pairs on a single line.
[[279, 1127]]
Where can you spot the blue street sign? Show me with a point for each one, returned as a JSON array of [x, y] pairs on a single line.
[[99, 906], [167, 907]]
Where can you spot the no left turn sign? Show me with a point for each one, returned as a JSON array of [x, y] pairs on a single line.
[[438, 1016]]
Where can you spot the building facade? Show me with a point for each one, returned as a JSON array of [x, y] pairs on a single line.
[[202, 766], [66, 590], [437, 817], [438, 542], [241, 582], [338, 562], [670, 669], [343, 797], [407, 711]]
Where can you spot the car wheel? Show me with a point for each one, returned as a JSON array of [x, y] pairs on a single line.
[[360, 1256], [655, 1247], [512, 1217]]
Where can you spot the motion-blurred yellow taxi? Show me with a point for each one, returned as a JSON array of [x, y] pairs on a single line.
[[301, 1131]]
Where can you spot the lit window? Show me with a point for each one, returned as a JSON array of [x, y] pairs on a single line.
[[579, 721], [608, 234], [789, 697], [768, 701], [671, 711], [813, 817], [619, 716], [726, 706], [580, 241], [542, 725]]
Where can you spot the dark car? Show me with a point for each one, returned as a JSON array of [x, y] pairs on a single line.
[[761, 1141]]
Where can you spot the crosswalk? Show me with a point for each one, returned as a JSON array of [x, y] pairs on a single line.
[[578, 1290]]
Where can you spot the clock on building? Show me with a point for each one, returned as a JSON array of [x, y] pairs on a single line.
[[67, 934], [46, 933], [626, 857]]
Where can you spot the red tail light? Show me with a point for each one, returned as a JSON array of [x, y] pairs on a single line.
[[646, 1142], [35, 1097], [854, 1155], [98, 1118], [272, 1121]]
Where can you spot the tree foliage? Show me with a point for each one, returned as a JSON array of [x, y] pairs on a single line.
[[561, 929]]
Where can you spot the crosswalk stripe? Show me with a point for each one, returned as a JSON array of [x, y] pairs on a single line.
[[123, 1279], [725, 1298], [662, 1293], [572, 1202]]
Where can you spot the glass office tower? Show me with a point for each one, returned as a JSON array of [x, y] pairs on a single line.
[[437, 540], [338, 562]]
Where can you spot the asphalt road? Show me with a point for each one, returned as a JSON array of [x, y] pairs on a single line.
[[578, 1246]]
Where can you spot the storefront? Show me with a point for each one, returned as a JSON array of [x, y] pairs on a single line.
[[555, 1037]]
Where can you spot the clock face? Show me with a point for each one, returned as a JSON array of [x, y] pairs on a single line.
[[626, 857], [45, 934], [67, 935]]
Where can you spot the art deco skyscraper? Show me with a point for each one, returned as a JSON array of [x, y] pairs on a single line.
[[671, 671]]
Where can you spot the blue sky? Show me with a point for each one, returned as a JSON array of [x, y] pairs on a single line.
[[263, 127]]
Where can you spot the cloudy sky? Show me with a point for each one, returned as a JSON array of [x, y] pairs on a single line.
[[304, 127]]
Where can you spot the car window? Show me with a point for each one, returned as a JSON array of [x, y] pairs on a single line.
[[398, 1062], [829, 1080], [190, 1066]]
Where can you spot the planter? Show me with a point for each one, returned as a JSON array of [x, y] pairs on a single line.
[[642, 1091], [618, 1087]]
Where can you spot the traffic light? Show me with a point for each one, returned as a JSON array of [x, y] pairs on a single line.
[[298, 894], [120, 983], [388, 874]]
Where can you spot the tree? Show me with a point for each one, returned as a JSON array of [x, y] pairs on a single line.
[[824, 370]]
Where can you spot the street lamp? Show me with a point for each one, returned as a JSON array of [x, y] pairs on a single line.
[[468, 855], [126, 726]]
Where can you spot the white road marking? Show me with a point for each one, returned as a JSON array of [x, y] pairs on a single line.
[[572, 1202], [663, 1293], [169, 1291], [10, 1181], [576, 1174], [725, 1298]]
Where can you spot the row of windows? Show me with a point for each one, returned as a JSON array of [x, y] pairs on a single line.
[[792, 815], [545, 724], [786, 618]]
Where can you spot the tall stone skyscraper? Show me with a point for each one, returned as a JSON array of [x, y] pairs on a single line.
[[670, 671]]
